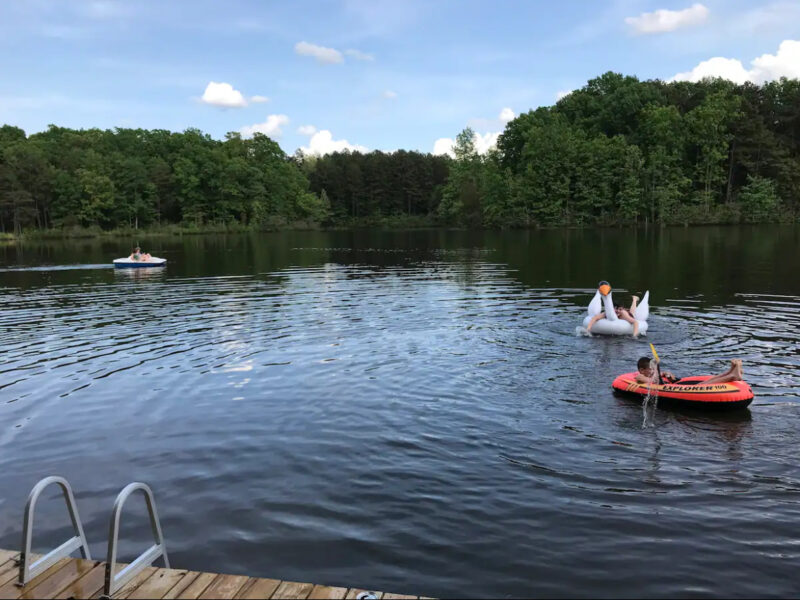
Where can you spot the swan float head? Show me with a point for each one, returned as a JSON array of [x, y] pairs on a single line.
[[611, 324]]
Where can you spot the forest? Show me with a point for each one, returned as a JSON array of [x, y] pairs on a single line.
[[618, 151]]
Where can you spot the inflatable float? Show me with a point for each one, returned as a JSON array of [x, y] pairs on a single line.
[[688, 392], [127, 263], [612, 324]]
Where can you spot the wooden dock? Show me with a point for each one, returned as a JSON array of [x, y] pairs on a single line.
[[79, 578]]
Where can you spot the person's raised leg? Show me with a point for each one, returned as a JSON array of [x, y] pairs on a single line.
[[734, 373], [634, 302]]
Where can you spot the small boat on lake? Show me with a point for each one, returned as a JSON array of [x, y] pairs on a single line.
[[128, 263], [689, 392]]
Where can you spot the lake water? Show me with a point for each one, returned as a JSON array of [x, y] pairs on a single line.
[[412, 411]]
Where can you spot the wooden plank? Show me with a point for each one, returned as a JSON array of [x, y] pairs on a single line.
[[294, 590], [10, 591], [74, 569], [195, 588], [7, 555], [258, 589], [224, 586], [8, 571], [80, 578], [159, 584], [323, 592], [134, 583], [87, 586], [179, 587], [354, 592]]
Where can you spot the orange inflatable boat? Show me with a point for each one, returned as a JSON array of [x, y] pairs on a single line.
[[688, 392]]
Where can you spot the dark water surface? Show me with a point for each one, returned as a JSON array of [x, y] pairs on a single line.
[[412, 411]]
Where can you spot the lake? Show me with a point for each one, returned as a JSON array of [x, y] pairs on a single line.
[[412, 411]]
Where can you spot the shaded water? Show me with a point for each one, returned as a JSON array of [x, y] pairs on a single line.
[[412, 411]]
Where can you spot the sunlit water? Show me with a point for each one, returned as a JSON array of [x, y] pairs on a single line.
[[412, 412]]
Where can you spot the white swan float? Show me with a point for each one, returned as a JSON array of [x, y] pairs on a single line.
[[612, 324]]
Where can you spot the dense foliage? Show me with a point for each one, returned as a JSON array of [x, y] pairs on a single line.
[[133, 177], [364, 187], [619, 150]]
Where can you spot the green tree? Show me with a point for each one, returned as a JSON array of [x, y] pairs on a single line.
[[759, 199]]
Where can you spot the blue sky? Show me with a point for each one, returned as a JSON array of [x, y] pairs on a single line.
[[379, 74]]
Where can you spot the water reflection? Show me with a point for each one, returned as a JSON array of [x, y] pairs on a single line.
[[385, 407]]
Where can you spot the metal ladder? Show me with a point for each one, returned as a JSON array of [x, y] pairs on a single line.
[[113, 580]]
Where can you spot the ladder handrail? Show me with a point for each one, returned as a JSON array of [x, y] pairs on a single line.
[[28, 571], [114, 581]]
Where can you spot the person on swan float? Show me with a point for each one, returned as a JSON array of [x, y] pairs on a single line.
[[648, 375], [623, 313]]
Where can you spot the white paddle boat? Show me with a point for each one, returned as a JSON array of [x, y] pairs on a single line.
[[127, 263]]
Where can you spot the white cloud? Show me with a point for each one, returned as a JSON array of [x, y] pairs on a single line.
[[306, 130], [358, 55], [506, 115], [223, 94], [487, 141], [727, 68], [784, 63], [562, 93], [663, 20], [322, 143], [483, 143], [271, 127], [258, 99], [444, 146], [390, 95], [323, 55]]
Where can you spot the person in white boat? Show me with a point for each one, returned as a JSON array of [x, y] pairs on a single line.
[[138, 255], [623, 313]]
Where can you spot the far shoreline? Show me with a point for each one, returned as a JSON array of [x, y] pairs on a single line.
[[389, 224]]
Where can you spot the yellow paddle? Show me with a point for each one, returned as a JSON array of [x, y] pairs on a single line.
[[658, 361]]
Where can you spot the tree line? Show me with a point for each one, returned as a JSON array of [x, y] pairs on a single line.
[[617, 151], [624, 151]]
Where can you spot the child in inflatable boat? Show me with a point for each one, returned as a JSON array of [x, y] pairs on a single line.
[[647, 374]]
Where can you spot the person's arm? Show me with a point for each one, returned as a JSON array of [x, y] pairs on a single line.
[[594, 320], [643, 379]]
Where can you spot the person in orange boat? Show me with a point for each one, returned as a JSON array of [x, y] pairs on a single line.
[[647, 374]]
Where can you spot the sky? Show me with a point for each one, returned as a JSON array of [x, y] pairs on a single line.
[[324, 75]]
